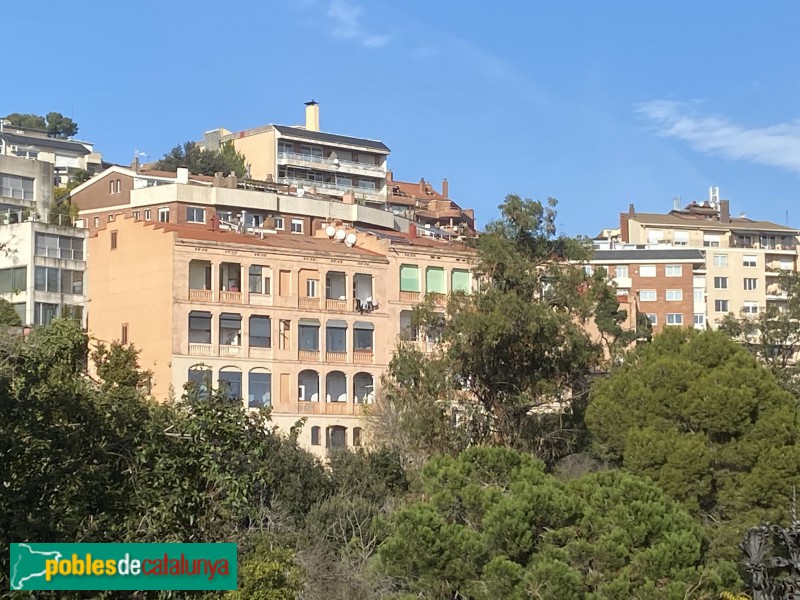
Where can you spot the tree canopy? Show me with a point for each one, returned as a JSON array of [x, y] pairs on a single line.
[[699, 415], [56, 124], [204, 162], [491, 524]]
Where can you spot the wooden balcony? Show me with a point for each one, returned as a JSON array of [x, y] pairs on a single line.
[[363, 357], [308, 302], [199, 295], [225, 350], [409, 297], [339, 305], [196, 349], [336, 357], [230, 297], [309, 408], [256, 352], [312, 355], [338, 408]]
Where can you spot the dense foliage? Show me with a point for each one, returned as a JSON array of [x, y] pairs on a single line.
[[226, 160], [698, 414], [56, 124]]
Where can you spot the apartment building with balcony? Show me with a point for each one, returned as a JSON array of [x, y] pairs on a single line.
[[66, 155], [668, 284], [430, 208], [43, 262], [304, 324], [743, 257], [310, 159]]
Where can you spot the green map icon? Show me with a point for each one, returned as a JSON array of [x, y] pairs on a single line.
[[28, 564]]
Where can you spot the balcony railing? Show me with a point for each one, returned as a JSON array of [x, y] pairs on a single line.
[[230, 297], [196, 349], [330, 162], [257, 352], [225, 350], [260, 299], [308, 354], [309, 408], [199, 295], [369, 193], [339, 408], [337, 357], [409, 297], [363, 357], [332, 304], [308, 302]]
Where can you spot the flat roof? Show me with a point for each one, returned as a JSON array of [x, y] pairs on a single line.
[[684, 254], [331, 138], [45, 142]]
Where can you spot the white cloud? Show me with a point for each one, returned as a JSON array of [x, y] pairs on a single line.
[[346, 25], [774, 145]]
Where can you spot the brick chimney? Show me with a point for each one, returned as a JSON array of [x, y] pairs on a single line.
[[412, 230], [724, 211], [312, 115], [445, 188], [389, 176], [631, 210], [421, 185]]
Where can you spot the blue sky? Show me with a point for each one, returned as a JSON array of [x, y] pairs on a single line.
[[598, 104]]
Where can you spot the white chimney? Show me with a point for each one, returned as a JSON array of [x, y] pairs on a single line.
[[182, 176]]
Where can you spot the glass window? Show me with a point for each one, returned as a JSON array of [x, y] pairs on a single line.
[[720, 260], [308, 337], [12, 186], [230, 381], [711, 240], [279, 223], [720, 306], [700, 319], [674, 319], [148, 214], [163, 215], [195, 214], [16, 279], [648, 295], [21, 309], [681, 238], [750, 308], [407, 329], [653, 318], [699, 294], [673, 270], [297, 225], [621, 271], [749, 260], [335, 338], [409, 278], [199, 327], [230, 329], [200, 377], [59, 246], [655, 236], [311, 288], [44, 313], [260, 332], [315, 436], [434, 280], [647, 271], [674, 295], [259, 389], [720, 283], [459, 280], [258, 281], [363, 335], [750, 283]]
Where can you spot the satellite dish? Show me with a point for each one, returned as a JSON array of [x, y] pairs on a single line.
[[340, 235], [330, 231], [350, 240]]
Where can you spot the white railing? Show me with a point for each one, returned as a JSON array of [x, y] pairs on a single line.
[[326, 185], [333, 162], [24, 215]]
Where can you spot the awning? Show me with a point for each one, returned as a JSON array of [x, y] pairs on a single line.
[[314, 322], [363, 325], [336, 323]]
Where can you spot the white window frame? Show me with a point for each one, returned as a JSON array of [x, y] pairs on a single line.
[[749, 260], [754, 287], [717, 305], [653, 317], [148, 214], [674, 295], [723, 281], [163, 211], [298, 223], [750, 308], [644, 296], [312, 288], [681, 238], [192, 210], [279, 223], [673, 270], [621, 271], [699, 319], [720, 260], [672, 320]]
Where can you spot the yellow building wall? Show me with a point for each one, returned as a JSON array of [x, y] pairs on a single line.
[[259, 151], [132, 284]]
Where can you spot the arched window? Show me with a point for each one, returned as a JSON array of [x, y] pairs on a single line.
[[315, 436], [230, 381], [308, 386], [336, 387], [259, 388], [198, 380]]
